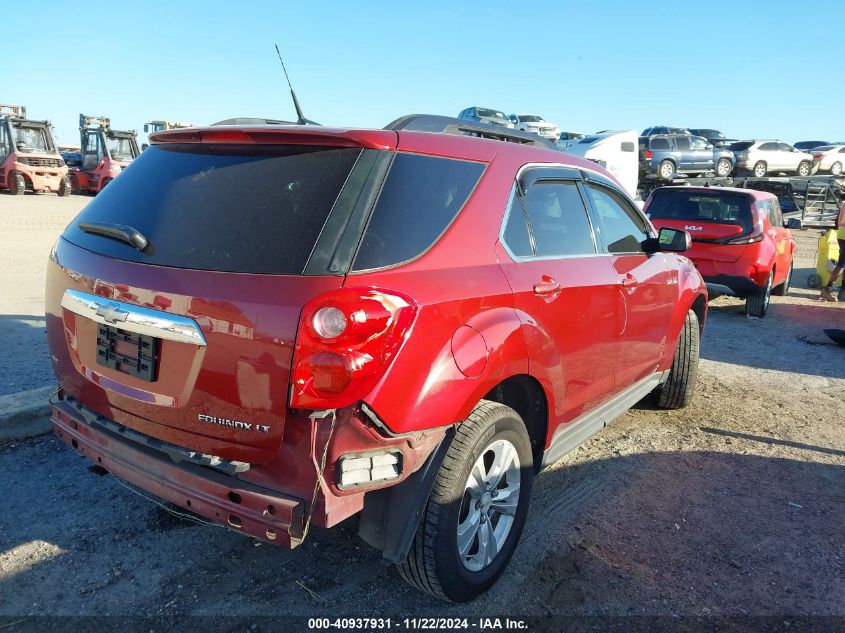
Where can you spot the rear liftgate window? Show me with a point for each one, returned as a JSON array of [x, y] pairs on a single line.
[[693, 206], [419, 200], [225, 208]]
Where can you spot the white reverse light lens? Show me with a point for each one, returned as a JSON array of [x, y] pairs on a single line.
[[329, 322], [369, 469]]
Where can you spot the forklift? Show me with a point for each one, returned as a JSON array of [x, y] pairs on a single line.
[[151, 127], [28, 156], [103, 154]]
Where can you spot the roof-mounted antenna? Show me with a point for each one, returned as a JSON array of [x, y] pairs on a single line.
[[301, 120]]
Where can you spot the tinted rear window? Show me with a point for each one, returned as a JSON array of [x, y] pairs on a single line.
[[659, 143], [221, 208], [740, 146], [420, 198], [697, 206]]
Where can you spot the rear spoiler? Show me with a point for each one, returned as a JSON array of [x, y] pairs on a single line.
[[280, 135]]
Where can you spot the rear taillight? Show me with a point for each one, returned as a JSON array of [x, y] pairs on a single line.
[[755, 236], [817, 156], [347, 339], [648, 154]]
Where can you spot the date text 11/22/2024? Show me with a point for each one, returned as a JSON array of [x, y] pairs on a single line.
[[422, 624]]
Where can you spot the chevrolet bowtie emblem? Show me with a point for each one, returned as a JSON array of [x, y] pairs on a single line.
[[112, 313]]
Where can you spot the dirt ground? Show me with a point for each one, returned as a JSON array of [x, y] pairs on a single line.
[[733, 506]]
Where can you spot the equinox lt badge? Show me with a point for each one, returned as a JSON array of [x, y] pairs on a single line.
[[235, 424]]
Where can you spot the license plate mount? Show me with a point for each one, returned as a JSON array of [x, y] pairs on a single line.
[[127, 352]]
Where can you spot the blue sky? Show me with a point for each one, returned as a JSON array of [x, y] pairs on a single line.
[[751, 68]]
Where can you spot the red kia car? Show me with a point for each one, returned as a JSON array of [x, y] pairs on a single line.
[[280, 327], [739, 243]]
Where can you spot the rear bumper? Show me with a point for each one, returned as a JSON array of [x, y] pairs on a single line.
[[735, 285], [220, 498]]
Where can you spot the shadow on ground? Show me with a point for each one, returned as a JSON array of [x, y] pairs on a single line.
[[769, 343], [688, 533]]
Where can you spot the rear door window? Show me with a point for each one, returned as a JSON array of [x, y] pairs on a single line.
[[558, 220], [225, 208], [682, 142], [515, 234], [659, 143], [419, 200]]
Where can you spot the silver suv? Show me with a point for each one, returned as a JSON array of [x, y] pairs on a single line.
[[768, 156]]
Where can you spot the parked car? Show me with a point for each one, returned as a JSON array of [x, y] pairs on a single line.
[[567, 139], [829, 159], [763, 157], [806, 146], [739, 243], [433, 331], [616, 151], [664, 129], [536, 125], [486, 115], [713, 136], [670, 154]]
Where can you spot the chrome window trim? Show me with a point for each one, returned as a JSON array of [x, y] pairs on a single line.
[[137, 319]]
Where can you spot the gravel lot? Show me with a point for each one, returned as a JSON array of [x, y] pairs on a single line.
[[734, 506]]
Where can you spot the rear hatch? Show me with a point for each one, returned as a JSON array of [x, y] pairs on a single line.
[[713, 218], [189, 338]]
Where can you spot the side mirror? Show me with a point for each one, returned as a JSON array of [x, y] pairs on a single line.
[[709, 146], [674, 240], [794, 223], [512, 118]]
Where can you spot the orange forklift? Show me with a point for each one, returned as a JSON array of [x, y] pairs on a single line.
[[28, 156], [103, 154]]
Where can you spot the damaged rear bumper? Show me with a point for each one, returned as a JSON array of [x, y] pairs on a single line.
[[220, 498]]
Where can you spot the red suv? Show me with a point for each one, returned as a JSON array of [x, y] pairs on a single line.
[[281, 327], [739, 243]]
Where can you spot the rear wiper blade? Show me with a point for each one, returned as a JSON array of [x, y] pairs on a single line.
[[121, 232]]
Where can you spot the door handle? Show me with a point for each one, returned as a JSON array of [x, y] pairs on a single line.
[[549, 288], [629, 281]]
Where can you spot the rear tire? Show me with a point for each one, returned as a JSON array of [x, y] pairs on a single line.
[[75, 189], [804, 168], [836, 168], [493, 435], [814, 280], [666, 170], [783, 288], [677, 391], [17, 185], [724, 167], [760, 169], [757, 305]]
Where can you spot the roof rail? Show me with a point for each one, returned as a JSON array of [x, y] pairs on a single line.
[[460, 127], [18, 111]]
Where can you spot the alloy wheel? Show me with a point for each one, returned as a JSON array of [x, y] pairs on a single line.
[[489, 504]]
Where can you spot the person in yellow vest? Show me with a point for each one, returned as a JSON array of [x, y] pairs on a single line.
[[827, 291]]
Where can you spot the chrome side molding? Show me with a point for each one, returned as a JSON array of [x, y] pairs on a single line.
[[132, 318]]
